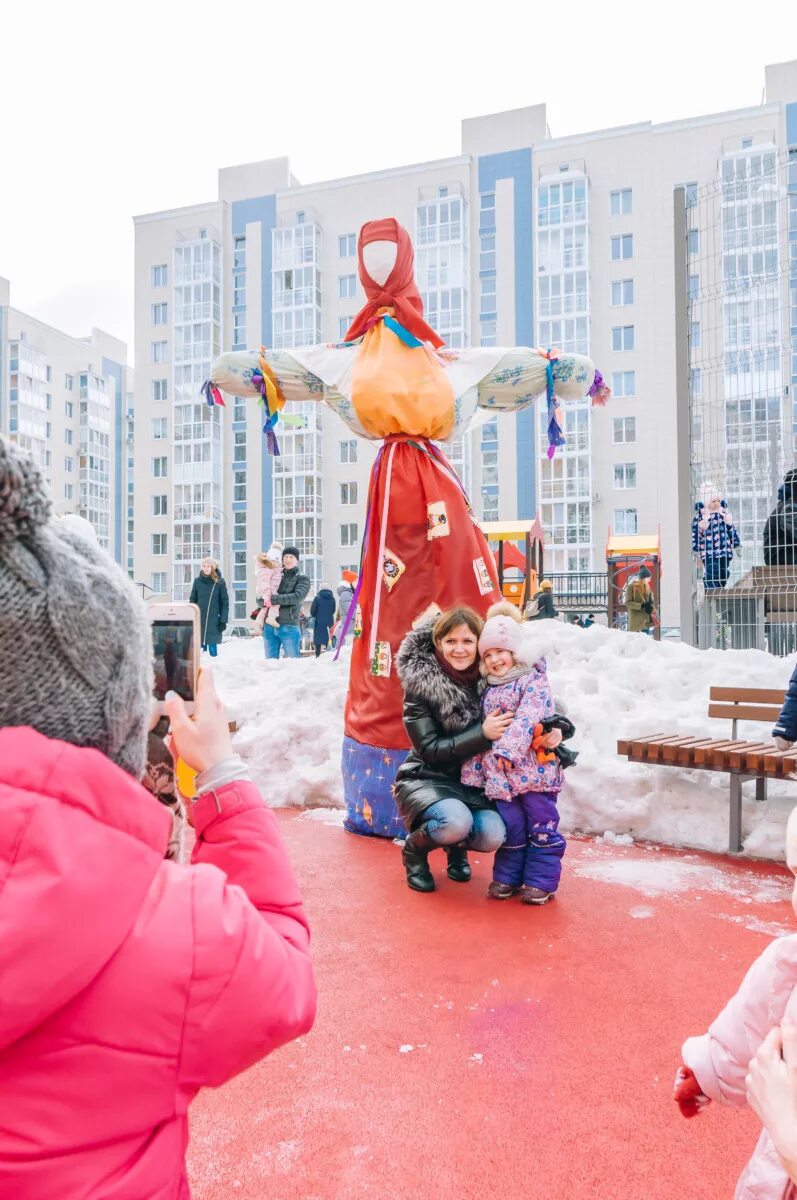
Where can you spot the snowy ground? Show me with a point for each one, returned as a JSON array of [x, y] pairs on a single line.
[[612, 684]]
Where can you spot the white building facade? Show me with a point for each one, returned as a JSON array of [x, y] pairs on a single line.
[[521, 239], [65, 400]]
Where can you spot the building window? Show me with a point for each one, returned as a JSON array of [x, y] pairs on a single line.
[[344, 325], [159, 389], [239, 485], [239, 446], [159, 544], [48, 371], [49, 400], [694, 334], [69, 409], [622, 246], [624, 476], [693, 286], [623, 337], [487, 253], [624, 383], [489, 333], [157, 352], [348, 493], [239, 328], [487, 211], [624, 429], [625, 521], [69, 466], [160, 467], [69, 491], [48, 431], [693, 241], [239, 527], [622, 292], [160, 276], [159, 314], [348, 535], [691, 194], [158, 582], [347, 245], [488, 293], [696, 381], [159, 506], [69, 382], [747, 143], [347, 287], [239, 253], [239, 289], [620, 202], [68, 437], [348, 451], [159, 427]]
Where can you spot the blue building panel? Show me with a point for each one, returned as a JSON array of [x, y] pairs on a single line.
[[263, 211], [791, 124], [516, 165]]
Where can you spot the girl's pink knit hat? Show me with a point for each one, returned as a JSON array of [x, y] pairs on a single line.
[[502, 630]]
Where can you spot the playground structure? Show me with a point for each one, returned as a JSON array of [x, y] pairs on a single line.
[[525, 567]]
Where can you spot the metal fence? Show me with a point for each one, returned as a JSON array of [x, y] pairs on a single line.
[[741, 256]]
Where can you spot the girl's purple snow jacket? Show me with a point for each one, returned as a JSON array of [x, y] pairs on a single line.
[[530, 698]]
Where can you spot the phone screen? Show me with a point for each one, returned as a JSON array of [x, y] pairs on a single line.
[[173, 649]]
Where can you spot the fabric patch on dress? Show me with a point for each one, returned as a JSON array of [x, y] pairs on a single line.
[[483, 579], [392, 569], [382, 660], [429, 614], [437, 525], [358, 622]]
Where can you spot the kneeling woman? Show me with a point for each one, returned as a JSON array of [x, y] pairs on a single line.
[[438, 666]]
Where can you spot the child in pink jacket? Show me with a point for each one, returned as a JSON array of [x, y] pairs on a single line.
[[716, 1064], [267, 582], [524, 785], [127, 981]]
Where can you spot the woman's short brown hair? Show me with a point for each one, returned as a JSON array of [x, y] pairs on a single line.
[[452, 617]]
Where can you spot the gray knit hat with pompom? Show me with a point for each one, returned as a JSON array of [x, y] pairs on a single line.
[[74, 637]]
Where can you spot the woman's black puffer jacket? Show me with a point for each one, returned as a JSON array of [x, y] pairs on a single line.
[[444, 724]]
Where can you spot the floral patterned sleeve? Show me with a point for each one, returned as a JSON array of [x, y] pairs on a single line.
[[536, 703]]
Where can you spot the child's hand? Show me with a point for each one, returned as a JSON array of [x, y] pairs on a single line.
[[772, 1089], [503, 764], [553, 739], [688, 1096], [204, 741]]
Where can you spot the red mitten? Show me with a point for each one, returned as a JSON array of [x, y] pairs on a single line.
[[688, 1096]]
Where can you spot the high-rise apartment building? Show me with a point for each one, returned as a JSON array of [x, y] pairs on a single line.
[[65, 400], [523, 239]]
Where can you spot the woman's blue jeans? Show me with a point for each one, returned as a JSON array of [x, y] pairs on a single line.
[[449, 822]]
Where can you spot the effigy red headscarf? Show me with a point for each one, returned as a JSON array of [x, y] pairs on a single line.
[[399, 292]]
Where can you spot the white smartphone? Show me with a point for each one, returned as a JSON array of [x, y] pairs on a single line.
[[175, 649]]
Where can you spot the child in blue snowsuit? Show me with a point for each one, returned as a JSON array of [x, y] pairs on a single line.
[[714, 539], [524, 784]]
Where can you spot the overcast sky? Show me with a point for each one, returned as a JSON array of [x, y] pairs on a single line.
[[111, 109]]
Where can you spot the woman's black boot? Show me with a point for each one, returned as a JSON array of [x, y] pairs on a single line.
[[458, 865], [416, 860]]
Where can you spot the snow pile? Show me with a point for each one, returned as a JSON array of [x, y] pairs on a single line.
[[612, 685]]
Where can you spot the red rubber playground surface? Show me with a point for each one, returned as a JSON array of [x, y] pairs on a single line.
[[469, 1048]]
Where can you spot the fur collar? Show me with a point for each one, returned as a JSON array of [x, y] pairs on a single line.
[[455, 707]]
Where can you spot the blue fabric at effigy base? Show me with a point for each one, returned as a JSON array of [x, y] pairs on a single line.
[[368, 774]]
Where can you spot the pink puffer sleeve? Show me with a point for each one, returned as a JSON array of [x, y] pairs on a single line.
[[721, 1057], [252, 986]]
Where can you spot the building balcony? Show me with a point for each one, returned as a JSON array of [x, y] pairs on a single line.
[[204, 311], [299, 506], [298, 464]]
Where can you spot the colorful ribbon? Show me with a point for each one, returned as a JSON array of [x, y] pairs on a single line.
[[555, 435], [271, 398], [351, 614], [212, 394]]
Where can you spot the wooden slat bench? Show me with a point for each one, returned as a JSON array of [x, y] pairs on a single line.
[[742, 760]]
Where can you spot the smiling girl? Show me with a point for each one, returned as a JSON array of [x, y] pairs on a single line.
[[524, 788]]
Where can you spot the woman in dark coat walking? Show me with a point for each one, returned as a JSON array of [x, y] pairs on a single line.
[[210, 593], [438, 666], [322, 613]]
